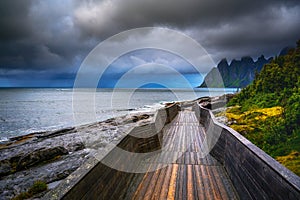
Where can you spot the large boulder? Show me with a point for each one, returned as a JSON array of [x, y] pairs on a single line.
[[41, 155]]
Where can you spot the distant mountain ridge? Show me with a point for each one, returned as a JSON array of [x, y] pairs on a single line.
[[237, 74]]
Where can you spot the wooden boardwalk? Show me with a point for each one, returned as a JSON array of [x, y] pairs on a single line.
[[171, 165], [184, 175]]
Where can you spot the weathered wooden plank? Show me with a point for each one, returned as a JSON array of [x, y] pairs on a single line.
[[173, 183], [123, 186], [190, 183], [192, 158], [186, 158], [199, 186], [159, 184], [152, 184], [166, 183], [184, 189], [179, 183], [219, 183], [127, 193], [142, 188], [237, 181], [206, 183], [226, 182], [212, 183]]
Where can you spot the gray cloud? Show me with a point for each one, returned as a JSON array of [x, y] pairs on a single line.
[[230, 27], [40, 35], [263, 33], [56, 35], [14, 20], [106, 17]]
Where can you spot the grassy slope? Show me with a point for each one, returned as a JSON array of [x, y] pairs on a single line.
[[267, 112]]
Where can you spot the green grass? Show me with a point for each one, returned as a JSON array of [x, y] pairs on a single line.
[[37, 187], [266, 129], [291, 161], [267, 112]]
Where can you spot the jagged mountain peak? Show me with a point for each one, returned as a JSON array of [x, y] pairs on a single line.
[[247, 59], [239, 73], [223, 64], [233, 62], [262, 57], [223, 61]]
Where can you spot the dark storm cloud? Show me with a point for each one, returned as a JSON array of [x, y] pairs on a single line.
[[266, 33], [56, 35], [39, 35], [14, 21], [231, 27], [108, 16]]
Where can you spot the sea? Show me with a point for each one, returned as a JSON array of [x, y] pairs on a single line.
[[24, 111]]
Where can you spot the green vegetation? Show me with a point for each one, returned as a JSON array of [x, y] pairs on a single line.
[[37, 187], [267, 112]]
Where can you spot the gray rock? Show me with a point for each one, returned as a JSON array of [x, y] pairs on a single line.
[[5, 167], [76, 147], [40, 155], [21, 181], [33, 157]]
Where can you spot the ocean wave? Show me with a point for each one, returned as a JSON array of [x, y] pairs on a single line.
[[3, 139]]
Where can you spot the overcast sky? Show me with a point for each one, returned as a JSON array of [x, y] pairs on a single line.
[[43, 42]]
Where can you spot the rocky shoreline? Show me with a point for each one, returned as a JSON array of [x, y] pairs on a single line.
[[52, 156]]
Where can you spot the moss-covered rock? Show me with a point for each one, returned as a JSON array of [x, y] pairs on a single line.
[[41, 155]]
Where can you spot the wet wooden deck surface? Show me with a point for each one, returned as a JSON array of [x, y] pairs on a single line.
[[184, 174]]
